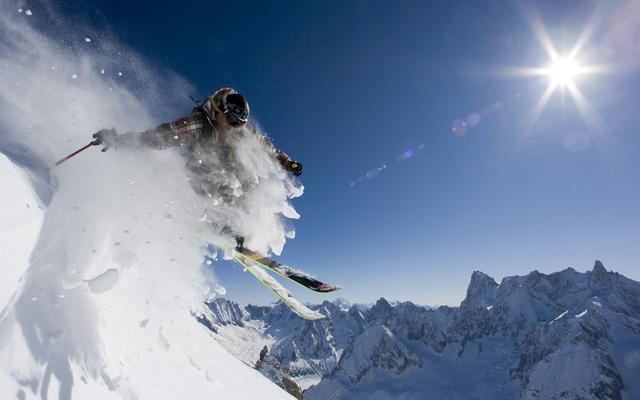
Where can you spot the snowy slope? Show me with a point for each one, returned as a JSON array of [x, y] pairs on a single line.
[[104, 337], [20, 223], [101, 285]]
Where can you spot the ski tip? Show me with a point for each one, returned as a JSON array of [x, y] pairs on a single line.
[[324, 288], [313, 317], [306, 313]]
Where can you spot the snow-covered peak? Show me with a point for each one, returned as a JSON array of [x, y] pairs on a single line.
[[522, 301], [330, 308], [377, 347], [381, 311], [226, 312], [481, 292], [342, 303]]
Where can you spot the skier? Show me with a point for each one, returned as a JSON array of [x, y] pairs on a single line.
[[209, 134]]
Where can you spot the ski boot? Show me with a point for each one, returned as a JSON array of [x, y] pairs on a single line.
[[229, 232]]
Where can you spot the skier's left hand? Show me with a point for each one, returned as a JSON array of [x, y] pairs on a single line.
[[295, 168]]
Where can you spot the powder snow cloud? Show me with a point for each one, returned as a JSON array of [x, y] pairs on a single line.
[[123, 233]]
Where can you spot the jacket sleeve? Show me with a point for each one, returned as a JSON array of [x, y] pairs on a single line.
[[182, 131], [283, 159]]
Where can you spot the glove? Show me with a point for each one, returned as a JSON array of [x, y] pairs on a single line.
[[107, 137], [295, 168]]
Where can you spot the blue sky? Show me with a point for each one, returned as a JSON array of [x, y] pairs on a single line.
[[347, 87]]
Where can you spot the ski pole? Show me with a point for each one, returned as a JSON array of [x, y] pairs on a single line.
[[93, 143]]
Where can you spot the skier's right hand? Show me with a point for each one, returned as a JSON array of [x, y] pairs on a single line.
[[107, 137]]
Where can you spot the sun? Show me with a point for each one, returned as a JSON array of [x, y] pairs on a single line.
[[563, 71]]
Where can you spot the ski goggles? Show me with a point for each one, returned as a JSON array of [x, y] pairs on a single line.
[[235, 114]]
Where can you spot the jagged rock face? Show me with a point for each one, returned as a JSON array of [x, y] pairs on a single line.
[[315, 347], [226, 312], [381, 311], [276, 372], [377, 348], [481, 292], [566, 335], [305, 348]]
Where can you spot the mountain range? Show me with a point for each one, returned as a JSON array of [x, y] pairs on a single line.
[[565, 335]]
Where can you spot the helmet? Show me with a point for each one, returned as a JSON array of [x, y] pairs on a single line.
[[234, 107]]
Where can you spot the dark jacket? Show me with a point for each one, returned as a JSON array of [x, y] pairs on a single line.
[[208, 151]]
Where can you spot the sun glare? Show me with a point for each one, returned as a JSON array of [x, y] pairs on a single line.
[[563, 71]]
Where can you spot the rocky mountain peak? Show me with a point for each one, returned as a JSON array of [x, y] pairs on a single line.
[[480, 278], [227, 312], [382, 303], [377, 347], [342, 303], [599, 275], [329, 308], [381, 310], [598, 268], [481, 292]]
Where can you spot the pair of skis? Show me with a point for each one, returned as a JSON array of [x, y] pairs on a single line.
[[258, 264]]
